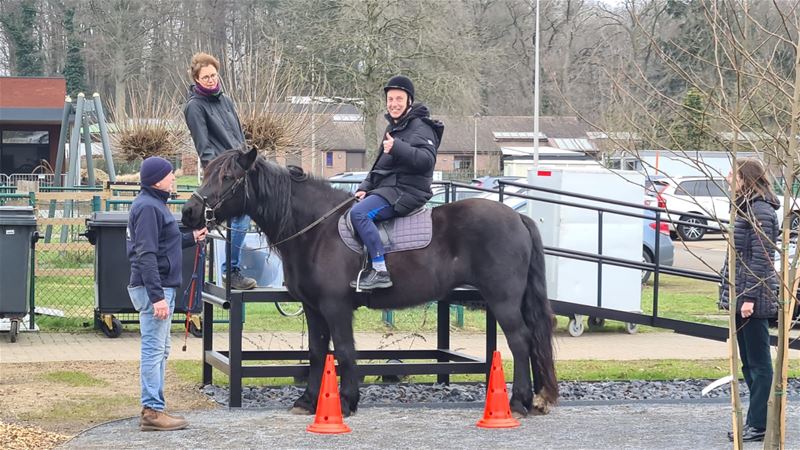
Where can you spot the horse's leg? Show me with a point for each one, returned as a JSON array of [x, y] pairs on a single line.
[[518, 336], [319, 337], [340, 319]]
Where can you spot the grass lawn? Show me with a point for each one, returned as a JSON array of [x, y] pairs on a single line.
[[679, 298], [186, 180]]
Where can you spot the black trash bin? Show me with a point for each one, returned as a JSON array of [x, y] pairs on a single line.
[[112, 271], [17, 233]]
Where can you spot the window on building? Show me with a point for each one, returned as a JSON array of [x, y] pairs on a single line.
[[23, 151], [462, 162], [328, 159]]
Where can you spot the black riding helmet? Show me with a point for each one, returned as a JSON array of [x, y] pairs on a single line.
[[402, 83]]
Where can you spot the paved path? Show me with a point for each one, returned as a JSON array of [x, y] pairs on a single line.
[[40, 347], [706, 255]]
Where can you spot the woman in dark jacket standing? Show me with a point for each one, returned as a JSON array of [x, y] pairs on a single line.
[[401, 176], [214, 125], [754, 240]]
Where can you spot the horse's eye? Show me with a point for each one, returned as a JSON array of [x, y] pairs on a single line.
[[226, 178]]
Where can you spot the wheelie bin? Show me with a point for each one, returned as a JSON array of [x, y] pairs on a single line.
[[107, 232], [17, 235]]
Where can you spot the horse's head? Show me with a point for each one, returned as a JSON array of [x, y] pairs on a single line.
[[224, 192]]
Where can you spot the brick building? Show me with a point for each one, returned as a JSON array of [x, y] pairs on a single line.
[[30, 121]]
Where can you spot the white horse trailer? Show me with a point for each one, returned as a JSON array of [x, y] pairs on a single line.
[[572, 228]]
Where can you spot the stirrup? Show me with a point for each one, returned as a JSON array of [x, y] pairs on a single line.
[[358, 279]]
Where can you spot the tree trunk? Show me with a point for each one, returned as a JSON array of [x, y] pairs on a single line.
[[776, 409]]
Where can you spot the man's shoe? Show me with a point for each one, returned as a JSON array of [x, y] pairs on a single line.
[[750, 434], [239, 281], [174, 416], [373, 280], [153, 420]]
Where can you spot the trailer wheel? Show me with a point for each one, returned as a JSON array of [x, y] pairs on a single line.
[[14, 330], [196, 332], [114, 331], [596, 323], [631, 328], [575, 327]]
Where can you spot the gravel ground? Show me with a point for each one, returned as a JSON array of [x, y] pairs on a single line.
[[639, 425], [392, 394], [619, 415]]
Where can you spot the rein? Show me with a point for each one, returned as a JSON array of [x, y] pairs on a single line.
[[209, 211]]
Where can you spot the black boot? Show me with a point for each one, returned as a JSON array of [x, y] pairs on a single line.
[[750, 434], [373, 279]]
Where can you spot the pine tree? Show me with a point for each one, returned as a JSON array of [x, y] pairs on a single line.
[[74, 67], [20, 25]]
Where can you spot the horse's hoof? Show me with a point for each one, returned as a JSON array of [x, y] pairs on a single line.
[[540, 406], [298, 411], [518, 415]]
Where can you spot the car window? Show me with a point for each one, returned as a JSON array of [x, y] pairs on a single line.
[[703, 188], [686, 188], [716, 188]]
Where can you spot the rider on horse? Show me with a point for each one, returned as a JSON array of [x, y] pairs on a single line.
[[399, 181]]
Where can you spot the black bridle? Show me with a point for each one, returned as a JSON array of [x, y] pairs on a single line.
[[209, 212]]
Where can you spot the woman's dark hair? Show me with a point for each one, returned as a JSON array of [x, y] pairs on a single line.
[[754, 179]]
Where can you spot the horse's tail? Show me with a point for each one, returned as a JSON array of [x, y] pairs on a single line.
[[539, 318]]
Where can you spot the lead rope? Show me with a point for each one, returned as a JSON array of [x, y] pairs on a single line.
[[199, 255]]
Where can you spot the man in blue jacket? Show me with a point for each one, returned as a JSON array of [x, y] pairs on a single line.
[[401, 176], [154, 245]]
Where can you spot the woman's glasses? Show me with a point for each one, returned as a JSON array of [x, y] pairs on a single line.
[[208, 78]]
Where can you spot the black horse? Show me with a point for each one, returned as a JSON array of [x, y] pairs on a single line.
[[478, 242]]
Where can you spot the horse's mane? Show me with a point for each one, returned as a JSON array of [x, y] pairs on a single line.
[[272, 185]]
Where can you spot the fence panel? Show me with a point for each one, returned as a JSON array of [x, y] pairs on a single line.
[[65, 258], [44, 179]]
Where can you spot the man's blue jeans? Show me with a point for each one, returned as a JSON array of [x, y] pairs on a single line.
[[156, 342], [239, 227]]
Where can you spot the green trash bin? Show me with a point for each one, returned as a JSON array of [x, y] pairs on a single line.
[[17, 234], [112, 271]]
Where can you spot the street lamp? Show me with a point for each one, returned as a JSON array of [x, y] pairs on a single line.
[[475, 149], [536, 95]]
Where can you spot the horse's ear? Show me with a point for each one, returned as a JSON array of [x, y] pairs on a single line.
[[247, 158]]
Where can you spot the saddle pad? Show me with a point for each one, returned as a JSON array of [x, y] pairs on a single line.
[[399, 234]]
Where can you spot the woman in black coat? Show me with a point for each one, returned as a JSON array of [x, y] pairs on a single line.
[[754, 240]]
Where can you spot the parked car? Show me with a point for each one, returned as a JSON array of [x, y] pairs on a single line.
[[492, 182], [666, 250], [347, 181], [699, 195], [696, 195]]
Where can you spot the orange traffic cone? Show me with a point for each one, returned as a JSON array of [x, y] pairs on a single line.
[[497, 413], [329, 409]]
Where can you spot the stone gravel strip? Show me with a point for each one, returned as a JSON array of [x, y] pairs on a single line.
[[392, 394]]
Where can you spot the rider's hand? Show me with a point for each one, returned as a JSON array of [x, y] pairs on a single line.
[[200, 235], [360, 195], [388, 143], [160, 309]]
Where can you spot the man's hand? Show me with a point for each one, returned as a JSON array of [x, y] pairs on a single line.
[[160, 309], [747, 309], [360, 195], [388, 143], [200, 235]]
